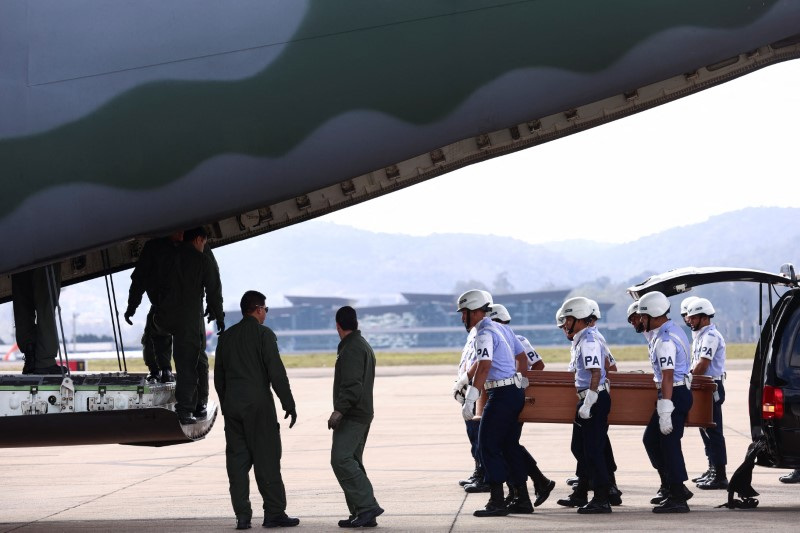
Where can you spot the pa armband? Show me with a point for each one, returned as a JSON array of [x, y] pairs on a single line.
[[484, 347]]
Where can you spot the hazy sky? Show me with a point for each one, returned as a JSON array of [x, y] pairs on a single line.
[[723, 149]]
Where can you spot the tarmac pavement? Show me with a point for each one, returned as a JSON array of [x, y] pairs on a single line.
[[416, 452]]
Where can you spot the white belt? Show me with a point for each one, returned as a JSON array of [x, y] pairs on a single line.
[[499, 383], [674, 384], [582, 393], [719, 378]]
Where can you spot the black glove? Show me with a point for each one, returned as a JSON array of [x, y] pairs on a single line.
[[220, 326], [334, 420], [293, 414], [129, 312], [210, 315]]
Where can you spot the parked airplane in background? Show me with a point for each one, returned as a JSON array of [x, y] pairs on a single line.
[[124, 120]]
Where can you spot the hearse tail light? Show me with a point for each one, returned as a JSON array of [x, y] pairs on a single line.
[[772, 403]]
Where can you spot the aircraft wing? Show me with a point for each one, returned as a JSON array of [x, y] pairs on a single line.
[[123, 120]]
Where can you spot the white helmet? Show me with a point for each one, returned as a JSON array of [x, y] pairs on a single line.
[[560, 318], [633, 309], [474, 299], [597, 314], [653, 304], [579, 307], [686, 304], [499, 312], [701, 306]]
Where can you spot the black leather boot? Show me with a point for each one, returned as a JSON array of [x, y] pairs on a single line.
[[543, 491], [705, 475], [663, 489], [717, 481], [29, 352], [579, 496], [598, 504], [674, 503], [614, 494], [521, 503], [474, 476], [495, 506]]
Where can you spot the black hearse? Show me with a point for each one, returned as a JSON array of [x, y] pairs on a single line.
[[774, 395]]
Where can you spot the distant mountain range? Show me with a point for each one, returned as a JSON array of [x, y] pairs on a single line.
[[324, 259]]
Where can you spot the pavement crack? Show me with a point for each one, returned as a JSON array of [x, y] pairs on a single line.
[[455, 518]]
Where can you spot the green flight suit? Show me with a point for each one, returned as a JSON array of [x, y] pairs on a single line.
[[353, 381], [187, 274], [35, 317], [247, 363], [202, 363]]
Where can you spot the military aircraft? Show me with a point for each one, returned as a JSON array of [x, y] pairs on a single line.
[[123, 121]]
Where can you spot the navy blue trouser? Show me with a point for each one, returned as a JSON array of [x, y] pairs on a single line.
[[498, 436], [590, 441], [713, 438], [665, 451]]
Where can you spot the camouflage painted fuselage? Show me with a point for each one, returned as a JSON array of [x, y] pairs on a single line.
[[125, 119]]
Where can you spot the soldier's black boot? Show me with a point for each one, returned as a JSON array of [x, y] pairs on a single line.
[[675, 503], [476, 474], [521, 503], [29, 352], [542, 487], [495, 506], [663, 489], [598, 504], [705, 475], [614, 494], [579, 496], [717, 481], [511, 493], [479, 485]]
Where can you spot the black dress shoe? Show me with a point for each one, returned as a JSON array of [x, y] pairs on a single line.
[[348, 522], [573, 500], [281, 521], [243, 523], [715, 482], [791, 477], [542, 493], [595, 507], [572, 480], [704, 475], [492, 508], [364, 518], [671, 505], [166, 376]]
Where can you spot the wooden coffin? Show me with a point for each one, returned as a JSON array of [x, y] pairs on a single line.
[[551, 397]]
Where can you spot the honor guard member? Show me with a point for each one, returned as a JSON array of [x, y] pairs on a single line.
[[466, 371], [590, 430], [708, 359], [685, 310], [669, 355], [542, 487], [247, 364], [499, 430]]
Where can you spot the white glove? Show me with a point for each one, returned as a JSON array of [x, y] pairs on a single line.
[[665, 408], [521, 381], [588, 401], [459, 387], [470, 397]]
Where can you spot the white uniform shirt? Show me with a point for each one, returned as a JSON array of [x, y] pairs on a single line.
[[533, 355], [709, 344], [604, 346], [587, 354], [493, 343], [668, 348]]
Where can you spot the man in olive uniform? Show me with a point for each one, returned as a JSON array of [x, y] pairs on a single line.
[[35, 295], [353, 380], [156, 348], [247, 363], [189, 273]]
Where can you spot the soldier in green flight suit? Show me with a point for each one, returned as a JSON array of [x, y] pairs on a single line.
[[35, 295], [247, 363], [353, 381], [188, 273]]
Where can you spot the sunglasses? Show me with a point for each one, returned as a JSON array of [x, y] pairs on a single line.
[[264, 307]]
